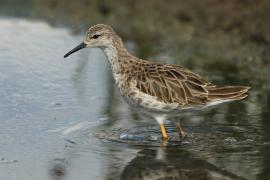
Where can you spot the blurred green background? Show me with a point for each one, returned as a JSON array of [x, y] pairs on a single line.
[[229, 25]]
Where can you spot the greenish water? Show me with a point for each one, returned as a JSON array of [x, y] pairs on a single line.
[[63, 119]]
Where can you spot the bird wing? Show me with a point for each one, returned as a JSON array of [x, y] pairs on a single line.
[[173, 84]]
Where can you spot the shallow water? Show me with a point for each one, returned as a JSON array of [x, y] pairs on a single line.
[[65, 119]]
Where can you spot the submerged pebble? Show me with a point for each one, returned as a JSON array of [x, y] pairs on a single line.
[[130, 137], [230, 140], [153, 138]]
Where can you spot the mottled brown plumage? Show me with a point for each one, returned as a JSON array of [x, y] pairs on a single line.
[[176, 84], [157, 87], [171, 84]]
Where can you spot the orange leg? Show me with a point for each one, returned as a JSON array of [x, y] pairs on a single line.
[[180, 130], [160, 120], [163, 131]]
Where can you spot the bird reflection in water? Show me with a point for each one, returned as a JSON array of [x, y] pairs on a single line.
[[163, 163]]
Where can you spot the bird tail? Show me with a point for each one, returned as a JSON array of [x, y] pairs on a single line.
[[227, 92]]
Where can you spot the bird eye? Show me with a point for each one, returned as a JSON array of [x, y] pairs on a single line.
[[95, 36]]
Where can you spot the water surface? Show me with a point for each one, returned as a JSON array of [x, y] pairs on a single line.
[[63, 119]]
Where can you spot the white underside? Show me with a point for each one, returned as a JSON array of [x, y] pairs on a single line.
[[218, 102]]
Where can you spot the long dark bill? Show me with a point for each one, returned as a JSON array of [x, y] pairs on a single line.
[[77, 48]]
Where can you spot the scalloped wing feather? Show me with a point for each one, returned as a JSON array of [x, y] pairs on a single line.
[[176, 84]]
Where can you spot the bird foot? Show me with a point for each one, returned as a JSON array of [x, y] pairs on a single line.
[[164, 141]]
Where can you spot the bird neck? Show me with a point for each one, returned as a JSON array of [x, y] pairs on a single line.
[[117, 55]]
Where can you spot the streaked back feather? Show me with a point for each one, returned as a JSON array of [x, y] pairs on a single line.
[[176, 84]]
